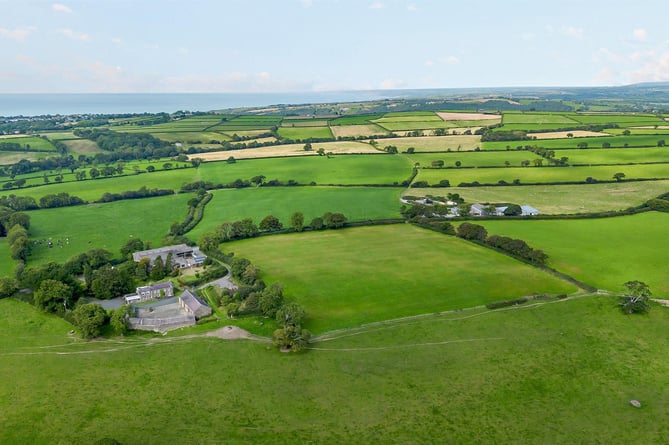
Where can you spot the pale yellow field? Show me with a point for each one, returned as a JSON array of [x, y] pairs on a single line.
[[12, 157], [6, 136], [243, 132], [563, 134], [356, 130], [653, 127], [344, 147], [468, 116], [83, 146], [434, 143]]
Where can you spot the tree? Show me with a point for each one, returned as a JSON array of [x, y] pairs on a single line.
[[131, 246], [158, 269], [290, 314], [636, 298], [606, 145], [150, 168], [570, 135], [437, 164], [626, 132], [118, 319], [513, 210], [321, 151], [231, 160], [89, 318], [471, 231], [270, 223], [317, 223], [271, 300], [619, 176], [661, 143], [8, 286], [292, 338], [94, 173], [52, 296], [411, 150], [308, 147], [458, 163], [297, 221], [109, 282]]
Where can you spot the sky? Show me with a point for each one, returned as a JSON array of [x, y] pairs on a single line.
[[165, 46]]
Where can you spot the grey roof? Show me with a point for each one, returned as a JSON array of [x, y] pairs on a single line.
[[528, 210], [156, 286], [192, 302], [153, 253]]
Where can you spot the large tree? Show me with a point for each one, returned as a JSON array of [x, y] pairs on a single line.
[[270, 223], [89, 318], [131, 246], [52, 296], [297, 221], [636, 299]]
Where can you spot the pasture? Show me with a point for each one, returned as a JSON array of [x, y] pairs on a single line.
[[29, 143], [104, 226], [354, 276], [542, 175], [357, 130], [356, 203], [616, 155], [303, 133], [460, 377], [474, 158], [592, 142], [560, 199], [601, 252]]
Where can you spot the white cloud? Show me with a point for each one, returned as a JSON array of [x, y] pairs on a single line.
[[527, 36], [640, 35], [411, 7], [75, 35], [452, 60], [307, 3], [376, 5], [429, 62], [18, 34], [58, 7], [117, 40], [656, 69], [571, 31]]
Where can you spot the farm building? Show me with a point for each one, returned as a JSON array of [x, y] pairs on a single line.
[[183, 256], [193, 305], [492, 210], [150, 292]]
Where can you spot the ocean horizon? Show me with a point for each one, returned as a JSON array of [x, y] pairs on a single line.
[[36, 104]]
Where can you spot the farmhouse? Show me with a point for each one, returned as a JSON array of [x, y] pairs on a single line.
[[169, 314], [150, 292], [183, 256]]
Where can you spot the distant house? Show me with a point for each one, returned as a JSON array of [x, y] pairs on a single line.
[[150, 292], [183, 256], [487, 210], [193, 305], [528, 210]]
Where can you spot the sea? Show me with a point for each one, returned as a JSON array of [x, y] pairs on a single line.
[[68, 104]]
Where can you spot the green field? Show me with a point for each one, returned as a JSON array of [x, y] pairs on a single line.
[[420, 125], [434, 143], [623, 120], [474, 158], [354, 276], [459, 378], [360, 119], [560, 199], [537, 119], [616, 155], [105, 226], [593, 142], [356, 203], [541, 175], [602, 252], [303, 133], [29, 143]]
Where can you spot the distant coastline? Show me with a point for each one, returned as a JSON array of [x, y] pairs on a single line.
[[65, 104]]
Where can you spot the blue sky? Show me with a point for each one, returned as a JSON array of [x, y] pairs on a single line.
[[319, 45]]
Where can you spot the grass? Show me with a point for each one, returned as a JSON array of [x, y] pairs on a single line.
[[357, 130], [82, 147], [448, 379], [30, 143], [560, 199], [616, 155], [542, 175], [602, 252], [6, 262], [356, 203], [391, 272], [303, 133], [104, 226], [537, 118], [360, 119], [473, 158], [615, 141], [339, 147], [419, 124]]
